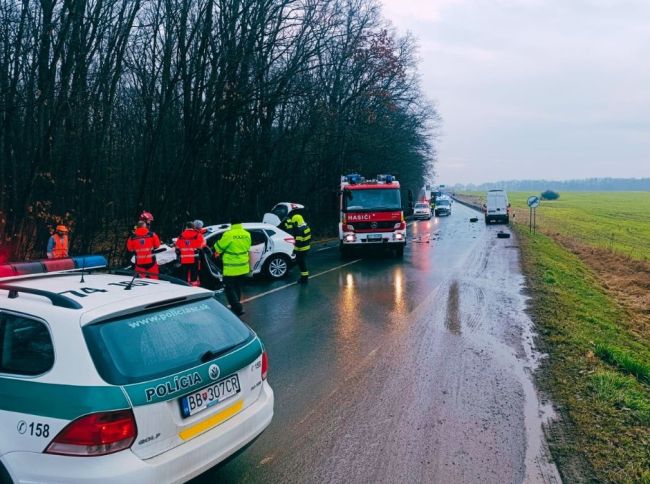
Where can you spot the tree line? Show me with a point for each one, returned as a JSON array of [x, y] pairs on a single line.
[[584, 185], [196, 109]]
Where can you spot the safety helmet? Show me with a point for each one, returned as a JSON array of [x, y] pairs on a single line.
[[62, 228], [198, 224], [146, 216]]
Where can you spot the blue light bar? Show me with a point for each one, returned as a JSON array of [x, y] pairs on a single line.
[[90, 262]]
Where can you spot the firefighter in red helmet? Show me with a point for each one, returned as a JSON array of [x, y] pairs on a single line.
[[146, 217], [142, 243], [188, 245]]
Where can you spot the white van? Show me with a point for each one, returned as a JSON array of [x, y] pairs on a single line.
[[497, 208]]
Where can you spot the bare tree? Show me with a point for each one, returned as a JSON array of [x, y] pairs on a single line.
[[195, 108]]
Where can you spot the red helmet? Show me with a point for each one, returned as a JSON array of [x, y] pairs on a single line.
[[146, 217]]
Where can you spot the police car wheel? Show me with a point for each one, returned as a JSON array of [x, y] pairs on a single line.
[[277, 267]]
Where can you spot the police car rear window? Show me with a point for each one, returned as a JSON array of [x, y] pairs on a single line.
[[153, 344]]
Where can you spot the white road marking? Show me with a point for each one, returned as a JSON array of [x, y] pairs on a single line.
[[257, 296]]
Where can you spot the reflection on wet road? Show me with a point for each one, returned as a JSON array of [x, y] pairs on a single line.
[[400, 371]]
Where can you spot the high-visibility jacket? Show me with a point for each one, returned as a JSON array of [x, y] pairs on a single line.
[[142, 243], [300, 231], [233, 247], [58, 246], [188, 245]]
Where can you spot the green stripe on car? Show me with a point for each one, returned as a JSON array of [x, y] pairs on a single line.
[[58, 401]]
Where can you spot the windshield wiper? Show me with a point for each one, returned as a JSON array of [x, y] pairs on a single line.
[[213, 355]]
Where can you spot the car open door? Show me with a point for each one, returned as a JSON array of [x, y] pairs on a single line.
[[259, 244]]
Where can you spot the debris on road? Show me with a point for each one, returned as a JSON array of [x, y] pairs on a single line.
[[473, 219], [503, 235]]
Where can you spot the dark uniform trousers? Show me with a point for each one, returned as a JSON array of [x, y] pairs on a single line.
[[233, 285], [301, 260]]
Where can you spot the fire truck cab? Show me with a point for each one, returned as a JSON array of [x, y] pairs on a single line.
[[371, 214]]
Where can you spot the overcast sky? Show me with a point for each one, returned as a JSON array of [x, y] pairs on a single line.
[[527, 89]]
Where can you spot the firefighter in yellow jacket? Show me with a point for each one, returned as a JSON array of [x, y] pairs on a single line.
[[297, 226], [233, 248]]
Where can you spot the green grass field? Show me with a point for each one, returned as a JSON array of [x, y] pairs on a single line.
[[598, 371], [613, 220]]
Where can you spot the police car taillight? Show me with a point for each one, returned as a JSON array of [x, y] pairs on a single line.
[[265, 365], [96, 434], [290, 240]]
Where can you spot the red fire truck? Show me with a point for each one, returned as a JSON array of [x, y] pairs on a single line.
[[371, 214]]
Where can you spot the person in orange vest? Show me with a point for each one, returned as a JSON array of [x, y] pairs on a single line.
[[142, 243], [187, 250], [57, 246]]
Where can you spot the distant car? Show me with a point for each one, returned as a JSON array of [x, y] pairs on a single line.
[[443, 206], [422, 210], [106, 378], [271, 253]]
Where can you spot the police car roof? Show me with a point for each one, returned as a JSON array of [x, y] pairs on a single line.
[[99, 296]]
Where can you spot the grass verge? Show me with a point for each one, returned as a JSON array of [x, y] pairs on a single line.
[[597, 371]]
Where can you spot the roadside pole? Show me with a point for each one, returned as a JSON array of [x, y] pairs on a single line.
[[533, 203]]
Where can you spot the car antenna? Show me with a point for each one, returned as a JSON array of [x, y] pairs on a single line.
[[130, 284], [83, 268]]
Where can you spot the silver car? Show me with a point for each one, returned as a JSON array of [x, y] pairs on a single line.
[[422, 210]]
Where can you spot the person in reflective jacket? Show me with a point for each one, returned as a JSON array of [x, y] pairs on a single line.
[[302, 233], [142, 243], [57, 246], [233, 247], [188, 245]]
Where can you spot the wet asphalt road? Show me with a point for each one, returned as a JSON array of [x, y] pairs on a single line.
[[400, 371]]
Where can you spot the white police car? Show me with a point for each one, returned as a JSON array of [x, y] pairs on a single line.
[[106, 378]]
